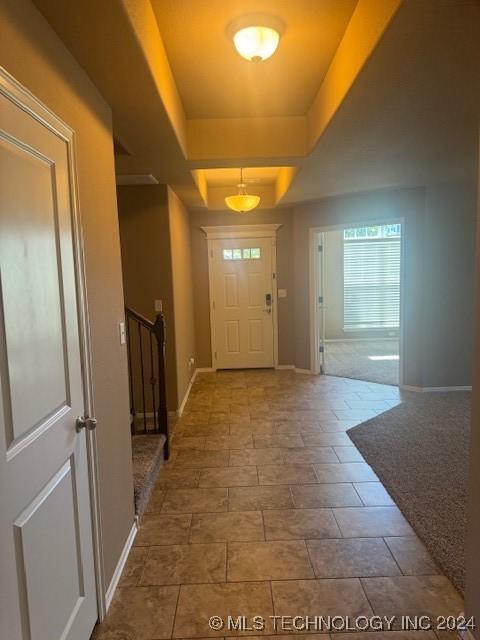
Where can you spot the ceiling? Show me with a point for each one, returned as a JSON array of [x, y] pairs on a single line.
[[231, 177], [398, 106], [412, 117], [215, 82], [270, 183]]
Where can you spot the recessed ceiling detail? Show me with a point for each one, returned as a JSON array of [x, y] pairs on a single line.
[[268, 183], [178, 116], [215, 82]]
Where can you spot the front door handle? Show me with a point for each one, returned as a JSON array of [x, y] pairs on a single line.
[[84, 422], [268, 303]]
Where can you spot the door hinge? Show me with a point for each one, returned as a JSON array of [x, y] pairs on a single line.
[[321, 349], [320, 299], [215, 355], [320, 248], [85, 422], [213, 305], [274, 275]]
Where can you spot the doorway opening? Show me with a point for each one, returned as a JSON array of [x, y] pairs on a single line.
[[357, 301]]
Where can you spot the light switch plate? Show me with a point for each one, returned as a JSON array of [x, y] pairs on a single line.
[[158, 306], [282, 293], [123, 333]]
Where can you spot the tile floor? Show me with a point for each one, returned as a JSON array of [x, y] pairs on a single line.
[[267, 508]]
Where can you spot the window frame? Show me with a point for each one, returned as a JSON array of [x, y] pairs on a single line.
[[382, 237]]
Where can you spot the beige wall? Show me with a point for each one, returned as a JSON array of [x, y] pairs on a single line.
[[472, 599], [333, 292], [33, 54], [156, 257], [437, 274], [438, 267], [182, 293], [202, 217], [147, 263], [449, 259]]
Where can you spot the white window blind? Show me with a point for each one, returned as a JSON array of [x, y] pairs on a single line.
[[371, 284]]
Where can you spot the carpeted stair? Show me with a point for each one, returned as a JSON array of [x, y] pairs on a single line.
[[147, 454]]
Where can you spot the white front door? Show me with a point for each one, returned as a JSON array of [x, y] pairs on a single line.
[[47, 580], [242, 303]]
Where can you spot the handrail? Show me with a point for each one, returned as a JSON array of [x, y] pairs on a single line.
[[138, 316], [146, 370]]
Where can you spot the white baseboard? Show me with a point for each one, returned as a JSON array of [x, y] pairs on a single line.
[[120, 565], [180, 409], [407, 387], [292, 367], [178, 413], [387, 339], [305, 371]]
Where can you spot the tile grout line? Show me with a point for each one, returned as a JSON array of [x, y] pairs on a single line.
[[392, 554], [305, 542], [338, 524], [176, 610]]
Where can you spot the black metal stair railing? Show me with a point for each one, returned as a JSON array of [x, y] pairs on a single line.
[[146, 371]]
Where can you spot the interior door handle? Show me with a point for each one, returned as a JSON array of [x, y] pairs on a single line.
[[84, 422]]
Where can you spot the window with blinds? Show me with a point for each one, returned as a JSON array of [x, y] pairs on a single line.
[[371, 262]]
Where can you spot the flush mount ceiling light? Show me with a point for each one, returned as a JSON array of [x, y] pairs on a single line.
[[242, 202], [255, 37]]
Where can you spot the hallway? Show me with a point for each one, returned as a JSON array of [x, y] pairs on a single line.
[[266, 508]]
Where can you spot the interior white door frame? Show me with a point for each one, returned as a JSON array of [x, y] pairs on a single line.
[[313, 286], [317, 257], [243, 231], [21, 96]]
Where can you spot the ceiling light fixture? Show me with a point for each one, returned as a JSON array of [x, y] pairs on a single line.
[[242, 202], [255, 37]]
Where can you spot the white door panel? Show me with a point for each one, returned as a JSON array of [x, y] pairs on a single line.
[[243, 319], [47, 578]]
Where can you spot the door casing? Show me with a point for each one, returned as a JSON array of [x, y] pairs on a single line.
[[25, 100], [250, 232]]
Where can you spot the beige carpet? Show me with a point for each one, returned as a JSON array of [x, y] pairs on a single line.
[[147, 458], [369, 360], [419, 450]]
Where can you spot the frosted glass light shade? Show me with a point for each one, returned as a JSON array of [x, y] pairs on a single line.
[[256, 43], [242, 203]]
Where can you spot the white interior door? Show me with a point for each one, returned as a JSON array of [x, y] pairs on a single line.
[[243, 303], [47, 579]]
